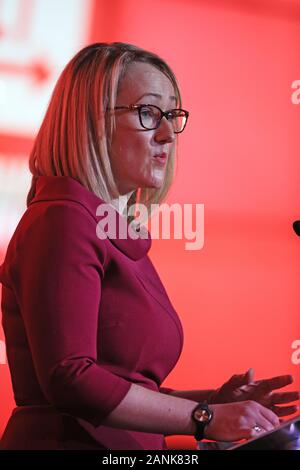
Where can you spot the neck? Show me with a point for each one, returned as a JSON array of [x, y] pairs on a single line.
[[121, 202]]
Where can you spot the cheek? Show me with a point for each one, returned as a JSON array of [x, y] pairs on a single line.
[[135, 152], [129, 143], [132, 160]]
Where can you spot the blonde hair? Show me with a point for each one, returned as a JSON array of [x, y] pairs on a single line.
[[75, 135]]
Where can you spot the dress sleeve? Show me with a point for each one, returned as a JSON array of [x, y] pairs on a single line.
[[57, 276]]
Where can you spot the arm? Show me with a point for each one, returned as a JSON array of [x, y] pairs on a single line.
[[57, 280], [57, 277], [200, 396], [149, 411]]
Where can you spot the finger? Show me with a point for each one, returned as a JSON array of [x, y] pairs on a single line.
[[260, 427], [275, 382], [249, 375], [285, 397], [285, 410], [249, 387], [265, 424], [269, 416], [237, 380], [254, 433]]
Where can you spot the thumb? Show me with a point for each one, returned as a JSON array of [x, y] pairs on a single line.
[[239, 380], [249, 376]]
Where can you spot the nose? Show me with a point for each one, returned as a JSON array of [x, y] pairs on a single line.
[[165, 132]]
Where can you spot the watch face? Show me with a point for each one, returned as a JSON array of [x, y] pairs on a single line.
[[202, 415]]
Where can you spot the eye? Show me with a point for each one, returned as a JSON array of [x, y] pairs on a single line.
[[146, 112]]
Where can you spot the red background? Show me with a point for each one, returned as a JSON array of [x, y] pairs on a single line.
[[238, 297]]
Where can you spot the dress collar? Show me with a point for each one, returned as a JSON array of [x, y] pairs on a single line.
[[54, 188]]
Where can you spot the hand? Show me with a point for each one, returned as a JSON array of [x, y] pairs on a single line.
[[242, 387], [235, 421]]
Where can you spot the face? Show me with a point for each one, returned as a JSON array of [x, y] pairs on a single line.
[[134, 149]]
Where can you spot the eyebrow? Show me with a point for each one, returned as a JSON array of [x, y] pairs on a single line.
[[157, 95]]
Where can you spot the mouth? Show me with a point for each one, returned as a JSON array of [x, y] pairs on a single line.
[[161, 158]]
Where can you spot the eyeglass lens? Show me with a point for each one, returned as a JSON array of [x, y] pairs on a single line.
[[150, 117]]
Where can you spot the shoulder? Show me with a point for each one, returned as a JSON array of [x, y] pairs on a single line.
[[64, 212], [67, 224]]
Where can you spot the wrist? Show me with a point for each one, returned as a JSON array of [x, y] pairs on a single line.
[[202, 415]]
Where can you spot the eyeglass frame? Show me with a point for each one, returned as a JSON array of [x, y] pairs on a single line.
[[162, 114]]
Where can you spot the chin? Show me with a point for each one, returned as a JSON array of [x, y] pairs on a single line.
[[156, 183], [152, 185]]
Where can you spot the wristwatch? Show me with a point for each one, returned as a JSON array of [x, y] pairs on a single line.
[[202, 415]]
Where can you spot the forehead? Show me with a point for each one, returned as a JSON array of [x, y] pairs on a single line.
[[141, 78]]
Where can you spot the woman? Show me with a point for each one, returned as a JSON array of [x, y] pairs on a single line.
[[90, 331]]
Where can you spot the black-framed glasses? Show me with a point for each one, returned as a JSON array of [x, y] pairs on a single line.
[[151, 115]]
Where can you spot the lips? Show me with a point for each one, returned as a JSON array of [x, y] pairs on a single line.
[[161, 158]]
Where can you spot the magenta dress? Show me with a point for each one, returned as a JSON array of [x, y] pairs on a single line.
[[83, 319]]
